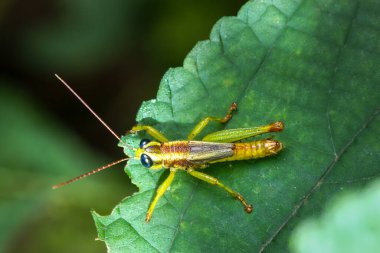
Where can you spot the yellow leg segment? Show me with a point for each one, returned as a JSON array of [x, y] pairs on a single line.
[[151, 131], [201, 125], [160, 191], [212, 180]]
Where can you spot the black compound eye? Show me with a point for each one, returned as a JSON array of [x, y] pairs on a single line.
[[143, 142], [146, 161]]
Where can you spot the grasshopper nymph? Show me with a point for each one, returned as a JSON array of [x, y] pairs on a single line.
[[191, 156]]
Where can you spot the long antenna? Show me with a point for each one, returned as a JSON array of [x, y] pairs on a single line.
[[105, 125], [88, 107], [89, 173], [92, 112]]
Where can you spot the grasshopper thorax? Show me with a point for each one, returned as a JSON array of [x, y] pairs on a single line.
[[149, 154]]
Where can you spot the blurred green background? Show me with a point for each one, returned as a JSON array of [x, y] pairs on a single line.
[[114, 54]]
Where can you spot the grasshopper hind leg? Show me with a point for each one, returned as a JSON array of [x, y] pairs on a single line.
[[214, 181]]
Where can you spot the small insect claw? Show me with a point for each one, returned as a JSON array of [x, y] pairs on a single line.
[[233, 106], [131, 132], [147, 218], [248, 208]]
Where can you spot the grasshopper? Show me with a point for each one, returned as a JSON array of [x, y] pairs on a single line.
[[191, 156]]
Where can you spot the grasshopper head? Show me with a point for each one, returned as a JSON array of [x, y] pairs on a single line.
[[149, 154]]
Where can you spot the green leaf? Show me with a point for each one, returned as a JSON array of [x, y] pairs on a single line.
[[313, 64], [351, 223]]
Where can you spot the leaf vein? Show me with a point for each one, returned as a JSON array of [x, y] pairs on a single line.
[[319, 182], [182, 215], [239, 99]]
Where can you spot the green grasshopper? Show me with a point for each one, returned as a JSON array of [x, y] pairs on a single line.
[[192, 156]]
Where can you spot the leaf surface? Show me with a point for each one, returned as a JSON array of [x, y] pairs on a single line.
[[314, 65]]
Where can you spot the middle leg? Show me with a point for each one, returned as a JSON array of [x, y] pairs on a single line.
[[201, 125]]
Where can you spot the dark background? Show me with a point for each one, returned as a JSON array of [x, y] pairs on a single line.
[[113, 53]]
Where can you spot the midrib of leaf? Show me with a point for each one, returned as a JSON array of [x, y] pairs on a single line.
[[182, 215], [315, 187]]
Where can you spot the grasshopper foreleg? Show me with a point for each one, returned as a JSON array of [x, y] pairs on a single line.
[[201, 125], [212, 180], [151, 131], [160, 191]]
